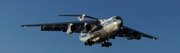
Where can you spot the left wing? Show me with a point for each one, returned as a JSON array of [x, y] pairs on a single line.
[[131, 33], [58, 26]]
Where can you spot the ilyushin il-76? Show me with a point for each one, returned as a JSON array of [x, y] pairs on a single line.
[[94, 31]]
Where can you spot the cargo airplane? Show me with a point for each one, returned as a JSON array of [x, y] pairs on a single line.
[[95, 31]]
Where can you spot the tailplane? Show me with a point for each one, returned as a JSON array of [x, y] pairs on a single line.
[[80, 17]]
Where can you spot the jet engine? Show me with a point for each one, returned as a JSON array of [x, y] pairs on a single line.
[[136, 35], [71, 28], [86, 28], [131, 34], [126, 32]]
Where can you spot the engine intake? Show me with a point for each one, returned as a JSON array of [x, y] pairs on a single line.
[[86, 28], [126, 31], [136, 35], [71, 29]]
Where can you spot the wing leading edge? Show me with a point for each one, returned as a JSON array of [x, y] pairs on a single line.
[[60, 23], [58, 26]]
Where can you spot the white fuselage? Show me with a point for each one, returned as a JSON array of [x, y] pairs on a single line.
[[106, 29]]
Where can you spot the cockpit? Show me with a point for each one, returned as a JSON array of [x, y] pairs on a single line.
[[116, 17]]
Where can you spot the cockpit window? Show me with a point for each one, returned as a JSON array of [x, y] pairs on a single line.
[[116, 17]]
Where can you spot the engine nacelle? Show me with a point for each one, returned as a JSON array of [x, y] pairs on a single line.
[[71, 28], [129, 34], [86, 28], [133, 35], [136, 35], [126, 32]]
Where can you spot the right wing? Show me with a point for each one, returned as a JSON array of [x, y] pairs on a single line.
[[58, 26], [132, 33]]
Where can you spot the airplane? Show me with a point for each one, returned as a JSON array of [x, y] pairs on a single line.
[[95, 31]]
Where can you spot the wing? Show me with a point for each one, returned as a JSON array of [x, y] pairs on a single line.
[[136, 34], [58, 26]]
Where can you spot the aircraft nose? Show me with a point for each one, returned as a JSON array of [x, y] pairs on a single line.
[[84, 37], [118, 22]]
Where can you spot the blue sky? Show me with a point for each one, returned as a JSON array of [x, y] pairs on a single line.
[[159, 18]]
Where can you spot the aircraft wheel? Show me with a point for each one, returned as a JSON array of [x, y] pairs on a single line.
[[89, 43], [110, 44], [86, 44], [106, 44], [103, 45], [113, 37]]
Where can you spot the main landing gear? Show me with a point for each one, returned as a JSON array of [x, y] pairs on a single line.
[[106, 44], [89, 43]]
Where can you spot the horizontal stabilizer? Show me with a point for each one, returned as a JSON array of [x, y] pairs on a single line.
[[83, 15]]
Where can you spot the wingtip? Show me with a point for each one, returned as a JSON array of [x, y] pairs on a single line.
[[23, 26], [59, 15], [155, 38]]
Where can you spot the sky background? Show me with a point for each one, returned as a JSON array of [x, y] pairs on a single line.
[[159, 18]]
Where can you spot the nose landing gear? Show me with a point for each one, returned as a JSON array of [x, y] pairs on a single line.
[[106, 44], [89, 43]]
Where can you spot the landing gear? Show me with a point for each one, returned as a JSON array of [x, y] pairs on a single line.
[[106, 44], [112, 37], [89, 43]]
